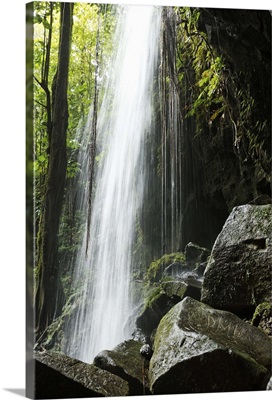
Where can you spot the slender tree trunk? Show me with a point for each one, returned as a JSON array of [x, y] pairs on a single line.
[[48, 301], [92, 145]]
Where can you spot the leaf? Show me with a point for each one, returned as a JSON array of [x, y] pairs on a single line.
[[41, 158], [216, 113], [46, 24], [37, 19]]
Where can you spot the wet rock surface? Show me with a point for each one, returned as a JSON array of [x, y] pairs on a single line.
[[126, 361], [195, 255], [195, 344], [155, 309], [169, 293], [238, 275], [199, 349], [176, 281], [60, 376]]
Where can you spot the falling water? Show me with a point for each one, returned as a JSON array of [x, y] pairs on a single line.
[[171, 185], [102, 275]]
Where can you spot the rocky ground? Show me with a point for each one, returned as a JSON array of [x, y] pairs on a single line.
[[206, 323]]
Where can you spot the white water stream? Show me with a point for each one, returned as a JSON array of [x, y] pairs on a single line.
[[104, 273]]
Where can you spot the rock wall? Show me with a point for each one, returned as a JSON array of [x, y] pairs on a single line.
[[226, 161]]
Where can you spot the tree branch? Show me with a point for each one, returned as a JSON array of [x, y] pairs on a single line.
[[41, 104]]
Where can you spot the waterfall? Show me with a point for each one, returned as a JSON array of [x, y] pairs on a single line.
[[102, 276], [171, 131]]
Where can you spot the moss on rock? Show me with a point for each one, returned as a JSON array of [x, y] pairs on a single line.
[[262, 318], [155, 270], [60, 376], [126, 362], [211, 350]]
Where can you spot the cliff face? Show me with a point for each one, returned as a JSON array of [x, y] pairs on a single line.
[[228, 154]]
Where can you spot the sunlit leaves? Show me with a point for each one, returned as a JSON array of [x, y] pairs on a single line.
[[82, 67]]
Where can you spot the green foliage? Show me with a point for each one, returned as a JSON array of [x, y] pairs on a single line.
[[42, 79], [71, 231], [73, 167], [216, 94], [87, 21], [91, 22], [194, 55]]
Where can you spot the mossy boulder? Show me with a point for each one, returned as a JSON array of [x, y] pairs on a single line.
[[199, 349], [125, 361], [60, 376], [156, 268], [238, 274], [157, 305], [174, 288], [162, 299]]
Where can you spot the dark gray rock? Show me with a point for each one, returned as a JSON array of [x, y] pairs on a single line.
[[199, 349], [59, 376], [126, 361], [195, 254], [159, 303], [173, 278], [238, 275], [184, 275], [195, 263], [178, 289], [151, 313], [169, 293], [174, 288]]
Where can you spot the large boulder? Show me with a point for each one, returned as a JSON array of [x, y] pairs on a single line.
[[163, 298], [195, 261], [169, 280], [198, 349], [238, 274], [125, 360], [150, 314], [60, 376], [157, 267], [195, 255]]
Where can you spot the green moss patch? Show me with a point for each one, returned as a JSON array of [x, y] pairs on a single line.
[[156, 268]]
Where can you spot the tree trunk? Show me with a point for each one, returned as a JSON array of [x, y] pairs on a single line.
[[49, 298], [92, 145]]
